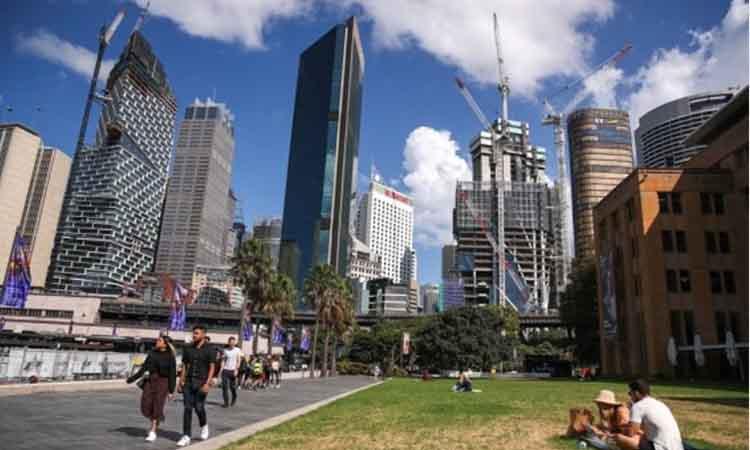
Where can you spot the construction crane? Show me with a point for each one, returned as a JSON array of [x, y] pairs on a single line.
[[503, 83], [556, 120], [105, 36]]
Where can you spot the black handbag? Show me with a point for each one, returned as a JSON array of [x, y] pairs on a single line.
[[141, 383]]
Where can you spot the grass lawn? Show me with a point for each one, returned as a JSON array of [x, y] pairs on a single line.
[[518, 415]]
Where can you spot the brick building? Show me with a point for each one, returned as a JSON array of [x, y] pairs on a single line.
[[671, 252]]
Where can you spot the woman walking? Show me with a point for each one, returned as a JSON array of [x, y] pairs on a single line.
[[159, 383]]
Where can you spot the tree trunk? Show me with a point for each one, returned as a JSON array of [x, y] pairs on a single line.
[[256, 329], [324, 372], [269, 349], [333, 355], [314, 347]]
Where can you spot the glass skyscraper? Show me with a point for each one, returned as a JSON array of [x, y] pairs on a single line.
[[108, 230], [321, 177]]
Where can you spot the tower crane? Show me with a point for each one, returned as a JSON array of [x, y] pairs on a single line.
[[556, 120]]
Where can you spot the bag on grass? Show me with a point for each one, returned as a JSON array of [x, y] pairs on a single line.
[[580, 420]]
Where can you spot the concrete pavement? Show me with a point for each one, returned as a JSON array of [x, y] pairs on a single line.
[[111, 419]]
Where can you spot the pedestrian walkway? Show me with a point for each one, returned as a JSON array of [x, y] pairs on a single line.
[[111, 419]]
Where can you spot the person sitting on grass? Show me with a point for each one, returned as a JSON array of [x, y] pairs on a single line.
[[652, 425], [464, 382], [614, 418]]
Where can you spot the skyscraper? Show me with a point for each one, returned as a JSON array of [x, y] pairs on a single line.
[[385, 223], [448, 260], [19, 146], [108, 230], [268, 232], [321, 177], [530, 235], [661, 133], [198, 210], [601, 155], [42, 211]]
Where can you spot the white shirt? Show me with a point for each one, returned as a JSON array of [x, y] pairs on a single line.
[[274, 365], [658, 424], [232, 358]]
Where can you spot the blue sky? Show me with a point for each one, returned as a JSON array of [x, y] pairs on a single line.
[[415, 125]]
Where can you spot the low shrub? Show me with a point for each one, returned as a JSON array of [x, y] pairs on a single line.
[[352, 368]]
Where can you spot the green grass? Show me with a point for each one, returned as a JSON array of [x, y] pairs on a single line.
[[528, 414]]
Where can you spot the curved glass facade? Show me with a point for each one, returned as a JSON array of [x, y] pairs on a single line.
[[322, 169]]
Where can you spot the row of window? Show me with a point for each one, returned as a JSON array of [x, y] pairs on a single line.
[[671, 203], [678, 281], [716, 242]]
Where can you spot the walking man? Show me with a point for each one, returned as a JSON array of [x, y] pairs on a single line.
[[198, 364], [230, 373]]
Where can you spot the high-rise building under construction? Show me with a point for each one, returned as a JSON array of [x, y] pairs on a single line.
[[531, 226]]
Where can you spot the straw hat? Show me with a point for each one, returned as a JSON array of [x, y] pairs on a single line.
[[607, 397]]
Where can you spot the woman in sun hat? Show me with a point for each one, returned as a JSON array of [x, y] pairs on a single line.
[[614, 418]]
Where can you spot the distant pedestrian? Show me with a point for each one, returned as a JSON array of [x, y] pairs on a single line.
[[266, 371], [230, 371], [160, 371], [276, 372], [199, 363]]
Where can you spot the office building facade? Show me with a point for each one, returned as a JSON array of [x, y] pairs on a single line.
[[388, 299], [601, 156], [385, 223], [430, 294], [198, 210], [448, 260], [268, 232], [661, 133], [42, 210], [109, 227], [322, 171], [19, 147]]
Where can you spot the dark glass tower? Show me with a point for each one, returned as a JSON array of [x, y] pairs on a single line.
[[321, 178], [107, 234]]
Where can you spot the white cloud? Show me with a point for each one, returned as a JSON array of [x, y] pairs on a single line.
[[433, 166], [241, 21], [601, 87], [539, 39], [717, 59], [48, 46]]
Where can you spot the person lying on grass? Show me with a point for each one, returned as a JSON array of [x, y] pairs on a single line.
[[652, 425], [464, 382]]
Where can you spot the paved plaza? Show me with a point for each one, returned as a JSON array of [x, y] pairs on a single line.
[[112, 420]]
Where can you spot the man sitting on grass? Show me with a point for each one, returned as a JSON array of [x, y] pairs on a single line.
[[464, 382], [652, 425]]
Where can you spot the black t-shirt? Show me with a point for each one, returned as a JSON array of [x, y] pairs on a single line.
[[196, 362]]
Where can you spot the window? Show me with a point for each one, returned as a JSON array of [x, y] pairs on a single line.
[[724, 242], [666, 241], [676, 203], [689, 327], [710, 242], [675, 323], [671, 280], [706, 203], [729, 285], [669, 161], [685, 281], [715, 279], [681, 241], [719, 204], [663, 203]]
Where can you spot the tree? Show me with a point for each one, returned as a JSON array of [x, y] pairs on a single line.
[[252, 269], [280, 303], [342, 316], [468, 337], [579, 310], [318, 292]]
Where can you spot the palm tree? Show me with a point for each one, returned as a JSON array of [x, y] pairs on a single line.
[[342, 317], [252, 269], [280, 302], [317, 291]]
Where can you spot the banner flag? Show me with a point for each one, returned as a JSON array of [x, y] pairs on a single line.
[[247, 327], [609, 300], [179, 297], [304, 344], [17, 276], [277, 333]]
